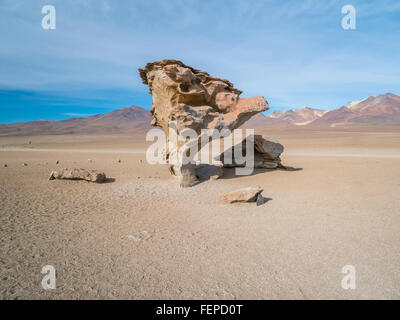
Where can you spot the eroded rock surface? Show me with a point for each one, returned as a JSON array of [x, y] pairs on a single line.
[[78, 174], [207, 171], [267, 153], [194, 99]]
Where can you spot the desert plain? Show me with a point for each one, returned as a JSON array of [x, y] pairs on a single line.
[[141, 236]]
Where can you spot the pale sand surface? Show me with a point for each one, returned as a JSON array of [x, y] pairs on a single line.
[[140, 236]]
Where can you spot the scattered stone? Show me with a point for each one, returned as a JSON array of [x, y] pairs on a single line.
[[78, 174], [30, 142], [194, 99], [24, 164], [248, 194], [140, 235], [140, 161], [90, 160], [119, 160], [57, 162], [5, 165]]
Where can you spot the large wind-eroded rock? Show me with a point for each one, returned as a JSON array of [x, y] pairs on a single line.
[[194, 99]]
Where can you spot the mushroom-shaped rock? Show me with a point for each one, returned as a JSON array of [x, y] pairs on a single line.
[[194, 99]]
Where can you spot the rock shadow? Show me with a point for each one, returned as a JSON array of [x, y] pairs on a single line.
[[262, 200], [205, 172], [229, 173]]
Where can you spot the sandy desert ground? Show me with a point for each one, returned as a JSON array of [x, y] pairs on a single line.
[[139, 236]]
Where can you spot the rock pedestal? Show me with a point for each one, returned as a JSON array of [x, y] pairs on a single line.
[[194, 99]]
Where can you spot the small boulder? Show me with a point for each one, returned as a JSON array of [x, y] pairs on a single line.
[[140, 235], [270, 148], [24, 164], [248, 194], [267, 153], [5, 165], [57, 162], [119, 160], [78, 174]]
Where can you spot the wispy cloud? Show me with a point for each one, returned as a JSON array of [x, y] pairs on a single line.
[[78, 115], [293, 52]]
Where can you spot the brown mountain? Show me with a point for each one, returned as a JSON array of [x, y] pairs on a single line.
[[260, 120], [376, 111], [298, 117], [125, 120], [383, 109]]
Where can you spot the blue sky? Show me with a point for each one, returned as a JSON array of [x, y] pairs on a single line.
[[295, 53]]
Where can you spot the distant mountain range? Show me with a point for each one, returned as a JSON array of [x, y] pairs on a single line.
[[381, 110], [299, 117], [125, 120]]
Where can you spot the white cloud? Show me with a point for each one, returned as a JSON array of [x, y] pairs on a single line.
[[291, 52], [78, 115]]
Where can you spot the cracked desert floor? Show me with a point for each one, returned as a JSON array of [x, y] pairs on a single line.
[[139, 236]]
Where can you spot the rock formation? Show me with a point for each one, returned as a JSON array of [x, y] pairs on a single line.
[[267, 153], [205, 171], [194, 99], [78, 174], [248, 194]]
